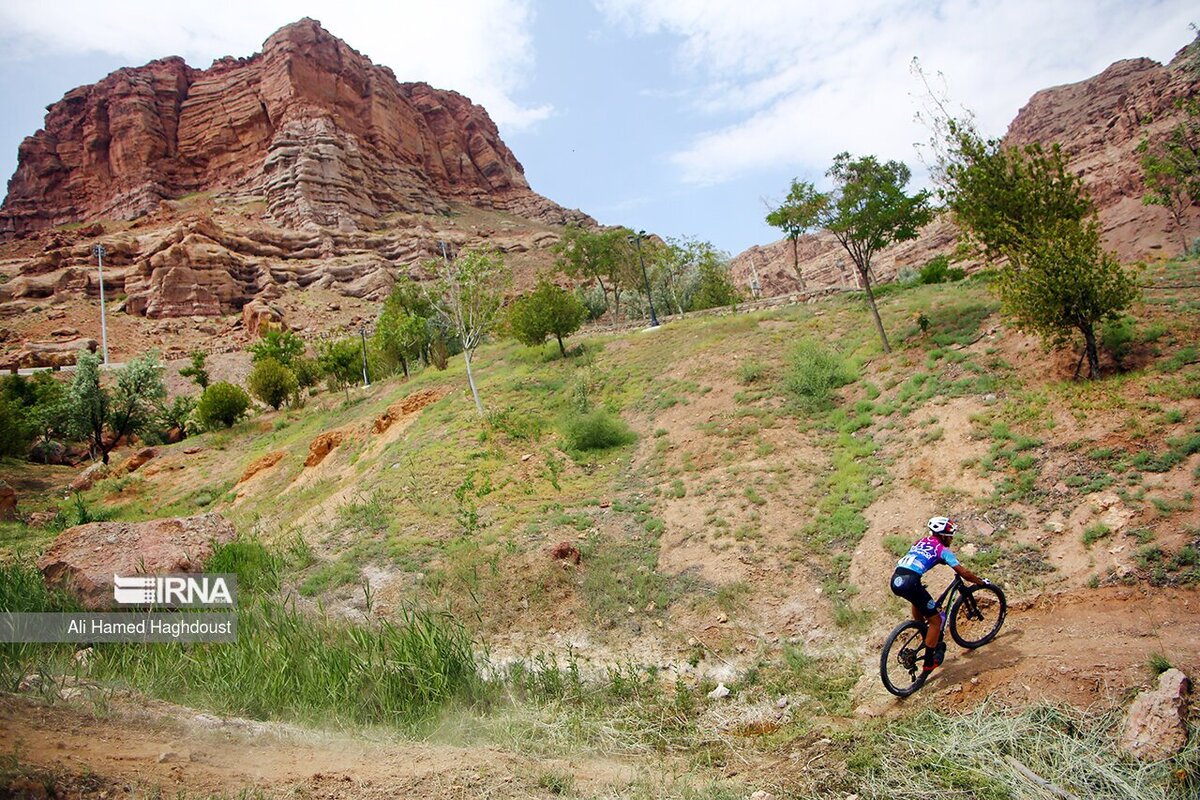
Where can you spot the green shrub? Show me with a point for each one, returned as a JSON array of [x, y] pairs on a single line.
[[1118, 337], [750, 372], [938, 270], [597, 430], [271, 382], [222, 404], [256, 569], [814, 372]]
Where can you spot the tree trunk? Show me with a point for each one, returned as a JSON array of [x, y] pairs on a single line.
[[796, 260], [887, 348], [404, 365], [1093, 355], [471, 381], [561, 348]]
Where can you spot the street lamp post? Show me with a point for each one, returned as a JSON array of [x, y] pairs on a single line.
[[637, 238], [100, 254], [362, 332]]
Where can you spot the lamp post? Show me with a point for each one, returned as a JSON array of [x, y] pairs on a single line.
[[362, 332], [637, 238], [100, 254]]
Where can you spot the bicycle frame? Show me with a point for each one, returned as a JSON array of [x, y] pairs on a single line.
[[947, 597]]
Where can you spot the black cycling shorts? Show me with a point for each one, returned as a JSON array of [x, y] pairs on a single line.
[[908, 585]]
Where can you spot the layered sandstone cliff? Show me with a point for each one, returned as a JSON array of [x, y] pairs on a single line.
[[309, 125]]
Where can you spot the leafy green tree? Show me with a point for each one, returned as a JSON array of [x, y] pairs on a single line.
[[1171, 167], [16, 433], [272, 383], [468, 294], [548, 310], [222, 404], [867, 211], [176, 414], [198, 371], [714, 287], [308, 371], [341, 362], [403, 332], [283, 346], [795, 215], [606, 256], [1022, 208], [31, 408], [125, 410]]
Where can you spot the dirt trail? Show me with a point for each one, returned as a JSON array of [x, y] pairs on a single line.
[[146, 747], [1084, 647]]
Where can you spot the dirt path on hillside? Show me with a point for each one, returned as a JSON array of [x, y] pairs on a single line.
[[138, 749], [1086, 647]]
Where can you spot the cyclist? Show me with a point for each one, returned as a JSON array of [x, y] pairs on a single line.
[[923, 556]]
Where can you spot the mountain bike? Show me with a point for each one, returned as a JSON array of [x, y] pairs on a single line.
[[976, 614]]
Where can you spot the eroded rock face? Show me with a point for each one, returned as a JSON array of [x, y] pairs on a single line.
[[327, 137], [85, 558]]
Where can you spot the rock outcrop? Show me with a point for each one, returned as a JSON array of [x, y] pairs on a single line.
[[84, 559], [1099, 122], [1157, 724], [328, 138]]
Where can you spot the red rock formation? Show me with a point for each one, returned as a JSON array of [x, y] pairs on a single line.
[[1099, 122], [328, 138]]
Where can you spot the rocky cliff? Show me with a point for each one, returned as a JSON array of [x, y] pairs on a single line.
[[310, 125], [1099, 122]]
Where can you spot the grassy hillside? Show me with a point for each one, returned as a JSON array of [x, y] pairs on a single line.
[[740, 530]]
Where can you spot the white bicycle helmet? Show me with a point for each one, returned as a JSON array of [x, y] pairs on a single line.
[[942, 526]]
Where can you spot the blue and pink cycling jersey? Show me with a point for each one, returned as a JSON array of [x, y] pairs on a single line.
[[925, 555]]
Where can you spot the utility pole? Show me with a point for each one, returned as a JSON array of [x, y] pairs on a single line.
[[100, 254], [637, 237], [362, 332]]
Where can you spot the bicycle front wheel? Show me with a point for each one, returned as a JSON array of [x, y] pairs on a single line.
[[903, 658], [977, 615]]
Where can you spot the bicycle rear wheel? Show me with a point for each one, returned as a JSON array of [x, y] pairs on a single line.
[[901, 664], [977, 615]]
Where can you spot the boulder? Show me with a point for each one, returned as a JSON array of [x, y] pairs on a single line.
[[8, 502], [135, 461], [84, 558], [86, 479], [1157, 724], [258, 317]]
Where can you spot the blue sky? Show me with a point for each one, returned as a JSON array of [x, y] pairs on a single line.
[[682, 117]]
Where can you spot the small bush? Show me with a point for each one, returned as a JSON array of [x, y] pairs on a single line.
[[221, 405], [751, 372], [1095, 533], [814, 372], [256, 569], [1118, 337], [597, 430], [271, 382], [938, 270]]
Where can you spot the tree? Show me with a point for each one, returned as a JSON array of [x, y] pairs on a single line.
[[795, 215], [606, 256], [866, 211], [468, 294], [548, 310], [403, 332], [124, 411], [222, 404], [341, 361], [1171, 167], [197, 371], [283, 346], [1024, 210], [176, 414], [272, 382], [714, 288]]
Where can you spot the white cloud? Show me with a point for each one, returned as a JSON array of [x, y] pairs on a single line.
[[481, 48], [793, 83]]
